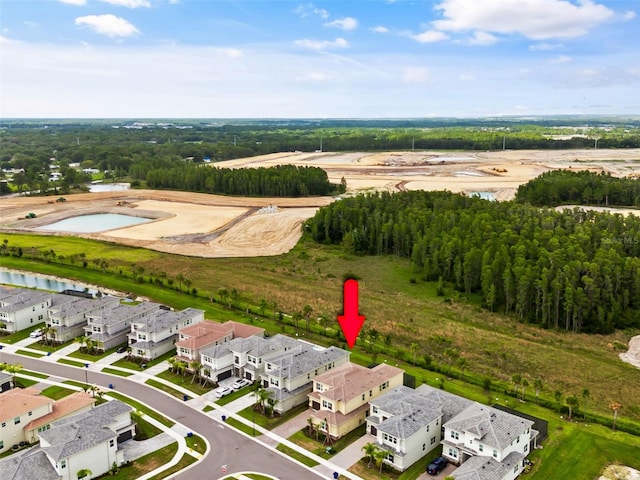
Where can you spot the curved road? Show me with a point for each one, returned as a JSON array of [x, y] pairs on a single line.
[[227, 447]]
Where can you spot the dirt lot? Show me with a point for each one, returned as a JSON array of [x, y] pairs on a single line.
[[217, 226]]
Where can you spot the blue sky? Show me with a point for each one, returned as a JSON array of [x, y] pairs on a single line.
[[343, 58]]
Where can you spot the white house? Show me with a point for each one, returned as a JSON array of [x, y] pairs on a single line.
[[18, 407], [156, 334], [407, 422], [289, 376], [67, 314], [20, 309]]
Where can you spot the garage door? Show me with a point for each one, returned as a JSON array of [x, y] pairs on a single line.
[[125, 436], [224, 375]]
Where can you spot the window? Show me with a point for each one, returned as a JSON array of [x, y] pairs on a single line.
[[1, 444], [455, 435], [526, 448], [389, 457], [390, 439], [515, 468], [374, 409], [427, 428], [274, 382], [327, 405], [518, 440], [4, 424], [16, 420], [319, 387], [30, 413], [63, 464], [453, 453], [481, 448], [111, 443], [433, 440], [384, 386], [363, 397], [495, 453], [424, 447]]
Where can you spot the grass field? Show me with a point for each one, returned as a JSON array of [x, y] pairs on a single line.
[[56, 392]]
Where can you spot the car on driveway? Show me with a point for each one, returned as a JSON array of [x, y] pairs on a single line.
[[238, 384], [223, 391], [121, 349], [437, 466], [36, 334]]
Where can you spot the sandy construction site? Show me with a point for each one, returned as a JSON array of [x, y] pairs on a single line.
[[218, 226]]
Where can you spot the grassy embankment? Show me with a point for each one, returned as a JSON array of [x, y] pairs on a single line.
[[398, 304]]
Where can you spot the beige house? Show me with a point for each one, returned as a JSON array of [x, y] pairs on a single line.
[[73, 404], [340, 398]]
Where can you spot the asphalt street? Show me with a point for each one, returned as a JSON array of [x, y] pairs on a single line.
[[228, 447]]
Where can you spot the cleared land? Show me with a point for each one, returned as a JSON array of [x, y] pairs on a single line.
[[217, 226]]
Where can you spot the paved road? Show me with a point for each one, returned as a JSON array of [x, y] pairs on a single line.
[[228, 447]]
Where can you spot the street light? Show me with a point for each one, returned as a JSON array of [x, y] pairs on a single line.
[[86, 374]]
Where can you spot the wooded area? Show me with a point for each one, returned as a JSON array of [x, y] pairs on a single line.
[[574, 270], [562, 187]]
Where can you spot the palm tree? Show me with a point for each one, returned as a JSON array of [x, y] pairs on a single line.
[[262, 397], [172, 363], [49, 333], [306, 310], [370, 450], [537, 384], [585, 397], [196, 366], [517, 380], [571, 402], [181, 367], [14, 369], [413, 348], [379, 457], [82, 340], [525, 384], [180, 278]]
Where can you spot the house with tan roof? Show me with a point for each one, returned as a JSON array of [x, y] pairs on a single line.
[[194, 338], [340, 398], [73, 404], [18, 407]]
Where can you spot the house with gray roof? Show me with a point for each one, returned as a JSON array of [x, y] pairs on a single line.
[[289, 376], [88, 440], [6, 382], [487, 468], [155, 334], [67, 314], [407, 422], [111, 326], [22, 308]]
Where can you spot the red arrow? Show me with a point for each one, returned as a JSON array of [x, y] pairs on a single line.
[[351, 322]]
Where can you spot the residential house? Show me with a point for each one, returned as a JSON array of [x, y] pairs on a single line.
[[340, 398], [484, 431], [407, 422], [67, 314], [6, 382], [111, 326], [488, 468], [289, 376], [243, 357], [154, 335], [77, 402], [88, 440], [18, 407], [20, 308], [195, 338]]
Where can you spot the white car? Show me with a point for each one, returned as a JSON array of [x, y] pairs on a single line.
[[36, 334], [223, 391], [238, 384]]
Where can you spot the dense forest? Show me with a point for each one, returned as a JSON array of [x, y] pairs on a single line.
[[279, 181], [562, 187], [575, 270]]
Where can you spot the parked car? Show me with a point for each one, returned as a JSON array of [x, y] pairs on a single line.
[[238, 384], [36, 334], [223, 391], [121, 349], [437, 466]]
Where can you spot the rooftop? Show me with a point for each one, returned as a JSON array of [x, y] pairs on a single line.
[[30, 464], [17, 401], [303, 359], [63, 408], [487, 468]]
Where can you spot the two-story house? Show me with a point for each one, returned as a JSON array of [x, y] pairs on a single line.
[[20, 308], [111, 326], [18, 407], [155, 334], [340, 398], [243, 357], [67, 315], [407, 422], [289, 376], [195, 338], [483, 431], [77, 402]]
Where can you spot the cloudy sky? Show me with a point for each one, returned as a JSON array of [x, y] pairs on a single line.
[[342, 58]]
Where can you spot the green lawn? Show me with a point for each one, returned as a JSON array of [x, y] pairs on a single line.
[[144, 429], [248, 429], [184, 462], [28, 353], [166, 388], [56, 392], [297, 455], [21, 335], [25, 382], [132, 364], [196, 443], [142, 408], [319, 448], [114, 371], [71, 362], [207, 408], [49, 348], [92, 357], [184, 382], [34, 374], [144, 464], [270, 422]]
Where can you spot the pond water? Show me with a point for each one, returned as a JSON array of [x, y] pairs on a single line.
[[484, 195], [41, 282], [108, 187], [94, 223]]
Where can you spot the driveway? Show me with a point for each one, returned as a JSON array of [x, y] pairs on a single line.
[[448, 470]]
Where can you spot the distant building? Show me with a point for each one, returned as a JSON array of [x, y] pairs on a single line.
[[67, 314], [21, 308]]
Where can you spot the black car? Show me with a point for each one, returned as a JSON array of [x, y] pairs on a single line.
[[121, 350], [437, 466]]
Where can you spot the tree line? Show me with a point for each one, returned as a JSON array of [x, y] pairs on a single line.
[[558, 187], [278, 181], [574, 270]]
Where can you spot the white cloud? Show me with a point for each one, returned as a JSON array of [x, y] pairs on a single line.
[[108, 24], [305, 10], [630, 15], [416, 75], [322, 44], [430, 36], [346, 23], [536, 19], [482, 38], [379, 29], [129, 3], [312, 77], [78, 3], [544, 46], [230, 52], [561, 59], [465, 77]]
